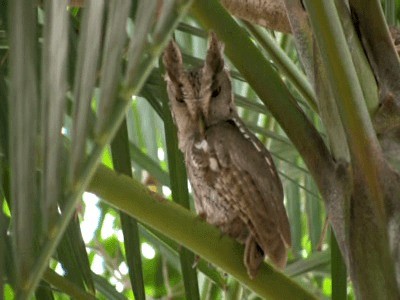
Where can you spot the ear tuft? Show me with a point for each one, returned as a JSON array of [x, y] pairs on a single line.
[[172, 60], [215, 58]]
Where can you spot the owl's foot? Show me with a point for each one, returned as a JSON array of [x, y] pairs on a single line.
[[196, 261], [202, 216]]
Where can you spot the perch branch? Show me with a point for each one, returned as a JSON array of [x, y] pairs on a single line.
[[180, 224]]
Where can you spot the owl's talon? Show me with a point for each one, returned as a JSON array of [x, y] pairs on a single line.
[[202, 216], [196, 261]]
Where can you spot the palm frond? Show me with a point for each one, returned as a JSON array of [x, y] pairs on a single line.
[[81, 88]]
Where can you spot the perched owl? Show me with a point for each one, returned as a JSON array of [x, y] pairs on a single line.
[[234, 180]]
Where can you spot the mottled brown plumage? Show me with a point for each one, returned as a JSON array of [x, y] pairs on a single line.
[[235, 183]]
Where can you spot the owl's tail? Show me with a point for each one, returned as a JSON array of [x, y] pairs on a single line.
[[254, 255]]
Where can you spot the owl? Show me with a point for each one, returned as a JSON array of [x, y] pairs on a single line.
[[233, 177]]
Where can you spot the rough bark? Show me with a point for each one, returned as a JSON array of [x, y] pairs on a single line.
[[267, 13], [270, 14], [76, 3]]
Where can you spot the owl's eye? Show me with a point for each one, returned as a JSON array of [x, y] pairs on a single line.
[[179, 93], [216, 92], [179, 99]]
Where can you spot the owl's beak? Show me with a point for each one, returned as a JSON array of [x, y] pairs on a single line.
[[202, 125]]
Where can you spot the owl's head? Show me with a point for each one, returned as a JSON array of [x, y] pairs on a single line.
[[201, 97]]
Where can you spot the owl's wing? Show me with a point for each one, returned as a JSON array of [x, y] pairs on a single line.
[[252, 175]]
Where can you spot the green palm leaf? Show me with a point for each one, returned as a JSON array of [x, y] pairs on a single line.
[[82, 89]]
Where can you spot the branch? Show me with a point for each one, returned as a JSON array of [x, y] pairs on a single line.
[[384, 60], [285, 64], [311, 59], [76, 3], [368, 215], [267, 13], [270, 14], [337, 60], [302, 35], [177, 223]]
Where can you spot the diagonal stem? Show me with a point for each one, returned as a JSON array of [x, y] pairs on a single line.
[[178, 223]]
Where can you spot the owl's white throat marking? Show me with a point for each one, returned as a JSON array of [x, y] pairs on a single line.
[[202, 145], [213, 164]]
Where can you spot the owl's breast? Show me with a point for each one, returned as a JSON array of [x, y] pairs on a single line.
[[206, 178], [202, 162]]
